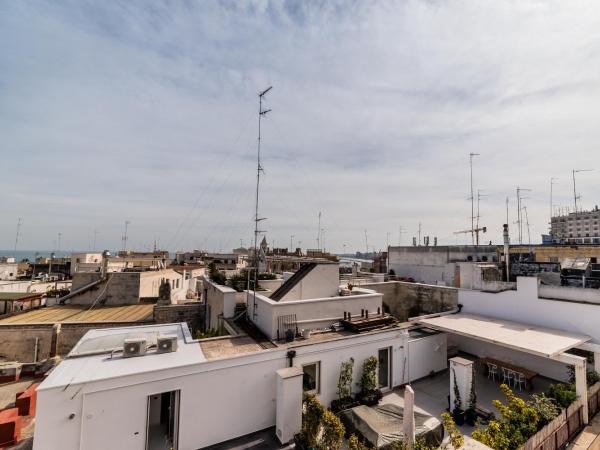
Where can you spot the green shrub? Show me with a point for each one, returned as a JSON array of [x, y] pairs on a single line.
[[545, 408], [457, 440], [562, 394]]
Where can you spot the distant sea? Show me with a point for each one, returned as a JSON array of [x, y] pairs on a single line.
[[30, 255]]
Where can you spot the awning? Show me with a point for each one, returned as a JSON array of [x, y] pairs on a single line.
[[526, 338]]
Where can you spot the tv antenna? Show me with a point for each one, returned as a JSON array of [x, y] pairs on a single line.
[[519, 211], [124, 238], [261, 113], [471, 155], [575, 196], [19, 223]]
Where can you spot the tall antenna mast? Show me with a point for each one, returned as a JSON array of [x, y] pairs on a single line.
[[471, 155], [575, 196], [366, 241], [127, 222], [519, 213], [319, 233], [528, 233], [400, 231], [479, 197], [19, 223], [261, 112]]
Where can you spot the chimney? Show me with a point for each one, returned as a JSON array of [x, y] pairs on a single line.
[[104, 268]]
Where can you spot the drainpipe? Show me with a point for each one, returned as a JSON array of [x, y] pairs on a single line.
[[35, 349]]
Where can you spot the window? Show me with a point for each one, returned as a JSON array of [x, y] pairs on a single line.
[[384, 367], [311, 377]]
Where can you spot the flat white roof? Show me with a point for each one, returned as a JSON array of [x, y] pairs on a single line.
[[96, 367], [527, 338]]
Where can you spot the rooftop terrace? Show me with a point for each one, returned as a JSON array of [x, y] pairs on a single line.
[[82, 314]]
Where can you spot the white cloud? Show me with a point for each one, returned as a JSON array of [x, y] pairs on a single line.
[[112, 111]]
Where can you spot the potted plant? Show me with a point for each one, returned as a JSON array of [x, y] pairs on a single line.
[[471, 412], [369, 394], [344, 391], [457, 412]]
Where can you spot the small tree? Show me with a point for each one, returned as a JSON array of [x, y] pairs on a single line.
[[368, 379], [456, 439], [164, 291], [311, 420], [333, 432], [345, 381], [355, 444], [517, 423]]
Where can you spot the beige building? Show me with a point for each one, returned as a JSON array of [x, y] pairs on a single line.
[[581, 227]]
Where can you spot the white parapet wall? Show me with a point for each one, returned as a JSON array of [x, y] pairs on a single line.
[[220, 301], [317, 313]]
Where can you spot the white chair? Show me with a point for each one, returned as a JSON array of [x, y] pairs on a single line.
[[507, 376], [520, 380], [492, 371]]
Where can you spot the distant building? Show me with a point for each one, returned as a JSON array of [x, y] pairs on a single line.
[[581, 227], [8, 269], [437, 264], [222, 261]]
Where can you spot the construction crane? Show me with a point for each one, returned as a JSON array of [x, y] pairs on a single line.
[[474, 230]]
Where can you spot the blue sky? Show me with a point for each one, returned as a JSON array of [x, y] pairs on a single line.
[[146, 112]]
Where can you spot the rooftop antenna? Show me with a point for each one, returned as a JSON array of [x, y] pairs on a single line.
[[507, 212], [366, 241], [519, 215], [319, 233], [419, 241], [400, 231], [528, 233], [19, 223], [575, 196], [124, 238], [95, 235], [479, 197], [471, 155], [261, 113]]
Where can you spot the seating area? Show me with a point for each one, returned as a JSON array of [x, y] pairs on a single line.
[[510, 374]]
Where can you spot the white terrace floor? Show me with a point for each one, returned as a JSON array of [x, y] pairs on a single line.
[[431, 396]]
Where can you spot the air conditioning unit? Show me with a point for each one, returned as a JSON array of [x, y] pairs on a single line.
[[134, 347], [166, 344]]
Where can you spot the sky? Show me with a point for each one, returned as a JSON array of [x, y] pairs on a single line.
[[146, 112]]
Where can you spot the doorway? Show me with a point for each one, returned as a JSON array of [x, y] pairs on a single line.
[[163, 421], [384, 368]]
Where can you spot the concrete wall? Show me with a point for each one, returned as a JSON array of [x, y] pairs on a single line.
[[118, 407], [321, 281], [270, 285], [221, 302], [406, 300], [523, 305], [18, 342], [427, 354], [8, 271], [436, 264], [191, 313], [313, 313]]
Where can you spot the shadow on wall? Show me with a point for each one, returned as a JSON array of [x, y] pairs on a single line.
[[404, 300]]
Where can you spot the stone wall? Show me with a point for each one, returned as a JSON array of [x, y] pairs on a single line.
[[192, 313], [17, 342], [404, 300]]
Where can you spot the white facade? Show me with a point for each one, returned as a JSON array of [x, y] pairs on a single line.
[[85, 262], [91, 399], [8, 271], [437, 264], [314, 313]]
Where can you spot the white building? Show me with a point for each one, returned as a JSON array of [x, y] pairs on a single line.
[[8, 270], [85, 262], [437, 264], [580, 227], [210, 391]]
